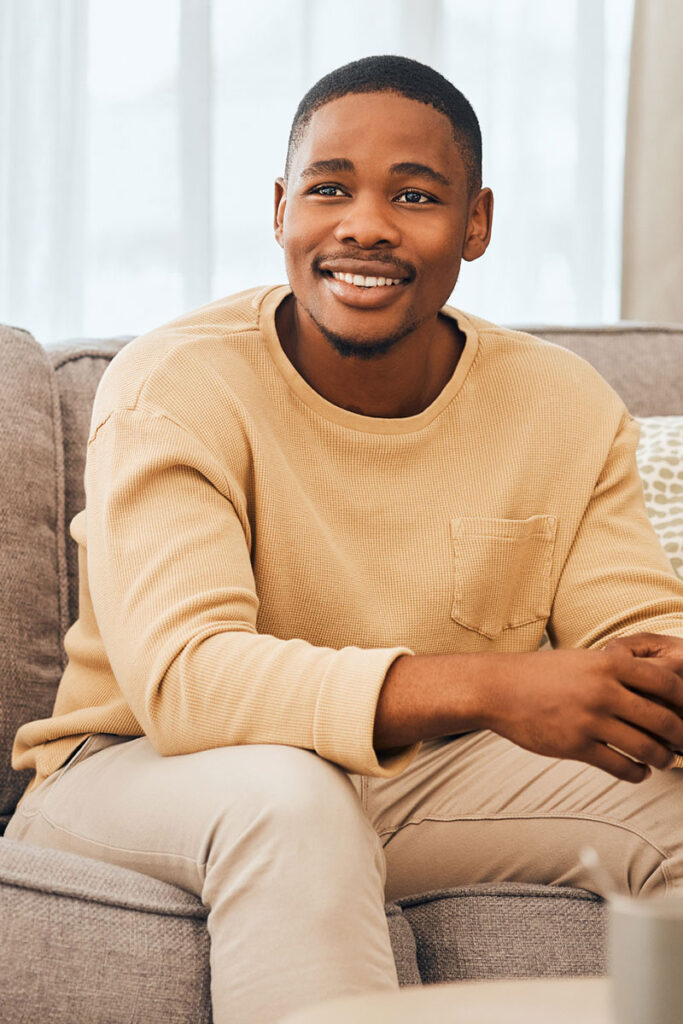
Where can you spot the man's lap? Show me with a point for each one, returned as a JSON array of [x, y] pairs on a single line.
[[477, 808], [469, 809]]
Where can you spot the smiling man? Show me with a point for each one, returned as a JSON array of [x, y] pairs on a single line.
[[327, 525]]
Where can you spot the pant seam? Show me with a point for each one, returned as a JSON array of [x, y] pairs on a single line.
[[598, 819], [112, 846]]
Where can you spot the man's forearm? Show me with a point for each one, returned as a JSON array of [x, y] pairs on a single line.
[[425, 696], [614, 709]]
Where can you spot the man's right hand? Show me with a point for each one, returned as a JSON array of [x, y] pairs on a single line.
[[582, 704], [609, 708]]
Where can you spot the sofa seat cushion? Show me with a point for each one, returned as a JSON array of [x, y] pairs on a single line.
[[510, 930], [131, 947]]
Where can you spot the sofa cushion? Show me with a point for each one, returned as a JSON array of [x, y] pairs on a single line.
[[511, 930], [131, 947], [33, 598], [660, 462], [78, 366]]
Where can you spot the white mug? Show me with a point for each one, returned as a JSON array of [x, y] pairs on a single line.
[[645, 943]]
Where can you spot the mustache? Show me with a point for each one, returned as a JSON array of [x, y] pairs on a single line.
[[366, 256]]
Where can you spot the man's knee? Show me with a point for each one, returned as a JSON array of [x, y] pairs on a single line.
[[293, 788], [297, 817]]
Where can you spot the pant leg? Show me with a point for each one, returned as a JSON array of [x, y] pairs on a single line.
[[272, 838], [477, 808]]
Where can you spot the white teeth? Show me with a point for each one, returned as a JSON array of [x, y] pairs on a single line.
[[366, 282]]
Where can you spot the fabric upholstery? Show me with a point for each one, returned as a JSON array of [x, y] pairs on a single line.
[[33, 599], [512, 930], [78, 367], [132, 948]]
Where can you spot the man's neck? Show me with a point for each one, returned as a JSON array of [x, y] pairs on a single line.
[[402, 382]]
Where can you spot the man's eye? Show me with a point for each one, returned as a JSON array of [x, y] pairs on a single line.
[[327, 190], [414, 197]]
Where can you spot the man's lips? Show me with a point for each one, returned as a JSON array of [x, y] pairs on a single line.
[[391, 272]]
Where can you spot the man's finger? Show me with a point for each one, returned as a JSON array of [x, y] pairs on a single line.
[[649, 716], [658, 677], [616, 764]]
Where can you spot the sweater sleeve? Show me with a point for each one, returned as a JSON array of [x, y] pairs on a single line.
[[616, 579], [174, 595]]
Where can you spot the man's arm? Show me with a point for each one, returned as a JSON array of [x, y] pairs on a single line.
[[625, 693], [574, 704]]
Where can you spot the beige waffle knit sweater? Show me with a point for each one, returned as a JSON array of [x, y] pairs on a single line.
[[254, 558]]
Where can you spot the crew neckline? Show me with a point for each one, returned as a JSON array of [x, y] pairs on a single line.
[[354, 420]]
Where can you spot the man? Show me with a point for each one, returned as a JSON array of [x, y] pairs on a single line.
[[326, 527]]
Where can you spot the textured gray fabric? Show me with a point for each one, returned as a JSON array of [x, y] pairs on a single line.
[[510, 930], [402, 945], [69, 959], [78, 366], [66, 874], [642, 362], [33, 612]]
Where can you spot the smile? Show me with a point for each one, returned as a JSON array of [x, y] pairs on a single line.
[[362, 281]]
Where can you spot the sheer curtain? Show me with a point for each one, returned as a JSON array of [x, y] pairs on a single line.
[[141, 138]]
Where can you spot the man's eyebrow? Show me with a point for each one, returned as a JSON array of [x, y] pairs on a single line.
[[335, 166], [340, 165], [420, 170]]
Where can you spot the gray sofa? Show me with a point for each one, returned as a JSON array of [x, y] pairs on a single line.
[[82, 941]]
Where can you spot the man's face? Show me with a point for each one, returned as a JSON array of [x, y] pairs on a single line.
[[375, 217]]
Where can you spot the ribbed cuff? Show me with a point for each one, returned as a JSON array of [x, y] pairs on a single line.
[[345, 712]]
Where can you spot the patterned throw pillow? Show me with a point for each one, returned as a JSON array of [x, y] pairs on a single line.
[[660, 462]]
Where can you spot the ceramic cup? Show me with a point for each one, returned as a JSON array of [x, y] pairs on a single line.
[[645, 944]]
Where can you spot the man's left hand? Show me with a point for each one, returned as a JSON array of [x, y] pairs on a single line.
[[649, 645]]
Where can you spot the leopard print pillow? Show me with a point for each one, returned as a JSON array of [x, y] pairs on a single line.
[[660, 462]]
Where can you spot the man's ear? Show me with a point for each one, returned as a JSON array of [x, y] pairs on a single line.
[[479, 225], [280, 204]]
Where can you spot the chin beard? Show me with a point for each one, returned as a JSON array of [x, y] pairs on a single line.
[[355, 348]]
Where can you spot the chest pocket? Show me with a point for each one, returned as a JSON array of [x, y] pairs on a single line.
[[502, 571]]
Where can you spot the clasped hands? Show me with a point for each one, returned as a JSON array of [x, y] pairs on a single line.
[[619, 708]]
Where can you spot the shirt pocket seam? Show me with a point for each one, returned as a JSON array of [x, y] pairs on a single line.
[[504, 542]]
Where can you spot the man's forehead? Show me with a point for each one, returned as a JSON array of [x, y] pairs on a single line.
[[374, 123]]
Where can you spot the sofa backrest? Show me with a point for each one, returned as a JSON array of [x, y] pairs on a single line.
[[45, 403]]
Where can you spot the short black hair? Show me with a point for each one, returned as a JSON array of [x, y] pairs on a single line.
[[408, 78]]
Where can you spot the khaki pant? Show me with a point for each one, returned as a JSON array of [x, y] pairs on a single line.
[[295, 858]]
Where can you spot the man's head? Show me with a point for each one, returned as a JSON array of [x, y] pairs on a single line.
[[405, 77], [381, 203]]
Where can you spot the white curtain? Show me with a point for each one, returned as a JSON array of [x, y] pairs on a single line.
[[139, 141]]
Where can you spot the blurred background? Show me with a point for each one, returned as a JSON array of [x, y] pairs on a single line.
[[139, 142]]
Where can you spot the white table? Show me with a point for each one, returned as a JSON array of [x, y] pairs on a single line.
[[524, 1001]]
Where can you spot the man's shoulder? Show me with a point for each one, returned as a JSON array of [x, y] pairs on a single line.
[[178, 354], [538, 361]]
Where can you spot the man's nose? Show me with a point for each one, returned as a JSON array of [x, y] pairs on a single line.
[[368, 221]]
